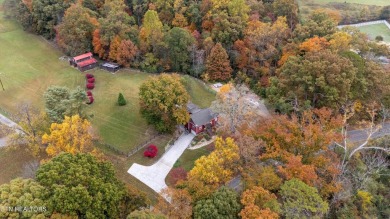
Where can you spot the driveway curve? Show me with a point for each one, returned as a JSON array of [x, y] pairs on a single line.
[[154, 175]]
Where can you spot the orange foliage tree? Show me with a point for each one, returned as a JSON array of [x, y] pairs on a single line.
[[126, 53], [218, 65], [259, 203]]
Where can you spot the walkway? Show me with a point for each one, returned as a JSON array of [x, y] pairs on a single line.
[[154, 176]]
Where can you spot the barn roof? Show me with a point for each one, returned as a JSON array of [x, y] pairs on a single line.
[[192, 108], [203, 116], [86, 62], [83, 56]]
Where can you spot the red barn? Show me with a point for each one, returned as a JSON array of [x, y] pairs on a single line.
[[201, 119], [84, 62]]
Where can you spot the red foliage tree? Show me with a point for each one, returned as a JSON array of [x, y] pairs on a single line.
[[90, 99], [91, 80], [89, 93], [151, 151], [89, 76], [177, 174]]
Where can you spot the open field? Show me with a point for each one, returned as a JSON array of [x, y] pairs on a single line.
[[375, 30], [363, 2], [12, 164], [29, 65]]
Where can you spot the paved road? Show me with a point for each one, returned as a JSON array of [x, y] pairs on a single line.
[[4, 120], [154, 176], [361, 134]]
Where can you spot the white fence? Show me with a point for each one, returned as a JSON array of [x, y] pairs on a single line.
[[366, 24]]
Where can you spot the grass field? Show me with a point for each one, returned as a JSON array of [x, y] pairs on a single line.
[[375, 30], [363, 2], [29, 64], [12, 164]]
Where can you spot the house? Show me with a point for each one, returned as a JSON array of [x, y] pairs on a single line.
[[200, 119], [83, 62], [111, 67]]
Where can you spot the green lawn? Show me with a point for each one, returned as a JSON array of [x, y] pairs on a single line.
[[375, 30], [29, 64], [363, 2]]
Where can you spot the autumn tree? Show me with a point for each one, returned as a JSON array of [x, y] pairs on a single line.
[[127, 53], [61, 102], [179, 41], [222, 204], [71, 136], [145, 214], [307, 136], [233, 108], [217, 65], [151, 33], [26, 193], [288, 9], [81, 186], [259, 203], [301, 200], [219, 166], [114, 48], [163, 101], [310, 81], [31, 125], [314, 44], [319, 23], [179, 205], [74, 33]]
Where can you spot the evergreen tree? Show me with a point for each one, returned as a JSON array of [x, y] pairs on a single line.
[[121, 100]]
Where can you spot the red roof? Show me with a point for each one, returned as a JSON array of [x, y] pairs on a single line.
[[83, 56], [86, 62]]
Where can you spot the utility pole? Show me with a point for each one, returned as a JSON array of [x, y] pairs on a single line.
[[2, 84]]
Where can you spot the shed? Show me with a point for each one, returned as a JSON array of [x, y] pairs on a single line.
[[83, 62], [111, 67]]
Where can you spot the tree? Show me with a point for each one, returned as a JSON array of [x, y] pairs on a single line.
[[74, 33], [163, 101], [80, 185], [179, 42], [32, 124], [71, 136], [47, 14], [121, 100], [114, 48], [287, 8], [319, 23], [27, 194], [314, 44], [223, 204], [233, 108], [219, 166], [310, 81], [301, 200], [127, 53], [179, 205], [227, 29], [218, 66], [151, 32], [61, 102], [257, 200]]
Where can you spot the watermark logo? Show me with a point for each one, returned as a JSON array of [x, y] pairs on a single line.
[[35, 209]]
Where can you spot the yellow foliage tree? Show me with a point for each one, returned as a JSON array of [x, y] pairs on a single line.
[[71, 136], [341, 41], [219, 166]]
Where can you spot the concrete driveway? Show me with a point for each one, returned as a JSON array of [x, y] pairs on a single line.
[[4, 120], [154, 175]]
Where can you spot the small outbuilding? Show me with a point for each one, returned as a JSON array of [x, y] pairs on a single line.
[[111, 67], [83, 62]]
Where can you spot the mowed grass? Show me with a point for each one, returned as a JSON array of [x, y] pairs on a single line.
[[29, 65], [363, 2], [376, 30]]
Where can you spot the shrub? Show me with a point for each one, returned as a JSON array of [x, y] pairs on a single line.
[[89, 93], [121, 100], [90, 99], [176, 174], [151, 151], [90, 86], [379, 38], [91, 80], [89, 76]]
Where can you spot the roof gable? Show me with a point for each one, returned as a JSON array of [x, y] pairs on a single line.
[[203, 116]]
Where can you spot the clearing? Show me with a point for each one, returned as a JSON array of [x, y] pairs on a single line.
[[376, 30]]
